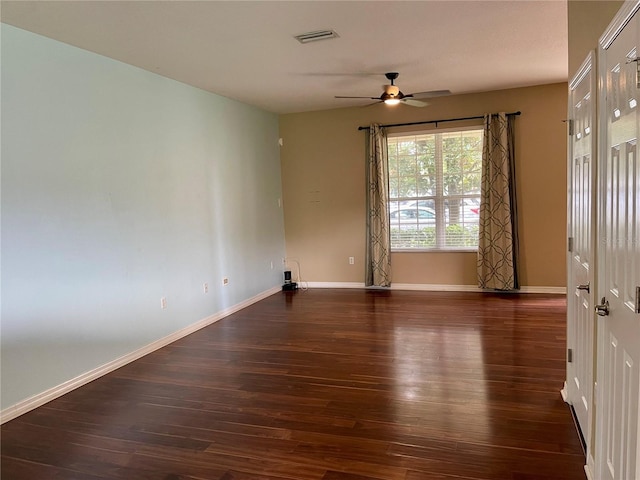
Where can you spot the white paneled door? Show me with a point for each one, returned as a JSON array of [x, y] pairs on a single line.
[[581, 231], [619, 252]]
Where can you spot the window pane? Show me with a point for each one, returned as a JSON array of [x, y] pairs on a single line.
[[425, 152], [452, 184], [407, 187], [406, 147], [394, 190], [393, 164], [463, 210], [462, 222], [461, 236], [471, 183], [433, 173], [426, 186], [414, 238], [393, 206]]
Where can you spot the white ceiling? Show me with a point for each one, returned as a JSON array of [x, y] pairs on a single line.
[[245, 49]]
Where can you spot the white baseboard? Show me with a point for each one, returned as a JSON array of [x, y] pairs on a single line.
[[587, 471], [430, 287], [335, 285], [589, 468], [433, 287], [40, 399], [551, 290], [564, 393]]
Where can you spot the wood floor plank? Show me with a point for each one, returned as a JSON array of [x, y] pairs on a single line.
[[20, 468], [326, 385], [331, 475]]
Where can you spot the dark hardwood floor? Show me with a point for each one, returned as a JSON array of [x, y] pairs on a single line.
[[326, 385]]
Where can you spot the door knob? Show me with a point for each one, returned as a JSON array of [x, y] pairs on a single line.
[[583, 287], [603, 308]]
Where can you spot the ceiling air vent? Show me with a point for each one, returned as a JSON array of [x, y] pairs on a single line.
[[315, 36]]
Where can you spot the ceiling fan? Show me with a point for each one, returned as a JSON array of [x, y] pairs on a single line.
[[393, 96]]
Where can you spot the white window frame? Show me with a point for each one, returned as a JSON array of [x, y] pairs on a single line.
[[439, 198]]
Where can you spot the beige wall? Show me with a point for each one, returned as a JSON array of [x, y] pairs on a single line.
[[324, 193], [587, 22]]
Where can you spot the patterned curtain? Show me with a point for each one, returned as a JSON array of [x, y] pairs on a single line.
[[498, 241], [378, 251]]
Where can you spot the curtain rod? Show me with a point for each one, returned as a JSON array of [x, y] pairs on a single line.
[[437, 121]]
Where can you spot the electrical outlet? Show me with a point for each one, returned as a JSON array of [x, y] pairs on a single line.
[[163, 302], [352, 260], [205, 287], [272, 265], [225, 281]]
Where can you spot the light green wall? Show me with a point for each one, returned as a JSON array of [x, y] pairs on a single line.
[[120, 187]]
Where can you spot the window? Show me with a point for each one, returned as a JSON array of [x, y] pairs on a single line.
[[434, 190]]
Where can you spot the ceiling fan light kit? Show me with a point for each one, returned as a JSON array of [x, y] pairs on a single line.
[[393, 96]]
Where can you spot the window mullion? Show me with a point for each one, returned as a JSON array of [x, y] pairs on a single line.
[[439, 200]]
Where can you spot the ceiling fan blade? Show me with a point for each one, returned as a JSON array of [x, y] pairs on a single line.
[[414, 103], [370, 98], [431, 94]]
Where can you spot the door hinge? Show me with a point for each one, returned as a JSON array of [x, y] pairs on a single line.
[[637, 309], [585, 287], [637, 62], [570, 126], [570, 244], [570, 355]]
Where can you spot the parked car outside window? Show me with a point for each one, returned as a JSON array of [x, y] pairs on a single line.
[[412, 218]]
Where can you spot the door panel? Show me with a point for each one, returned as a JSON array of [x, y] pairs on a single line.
[[619, 253], [581, 222]]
